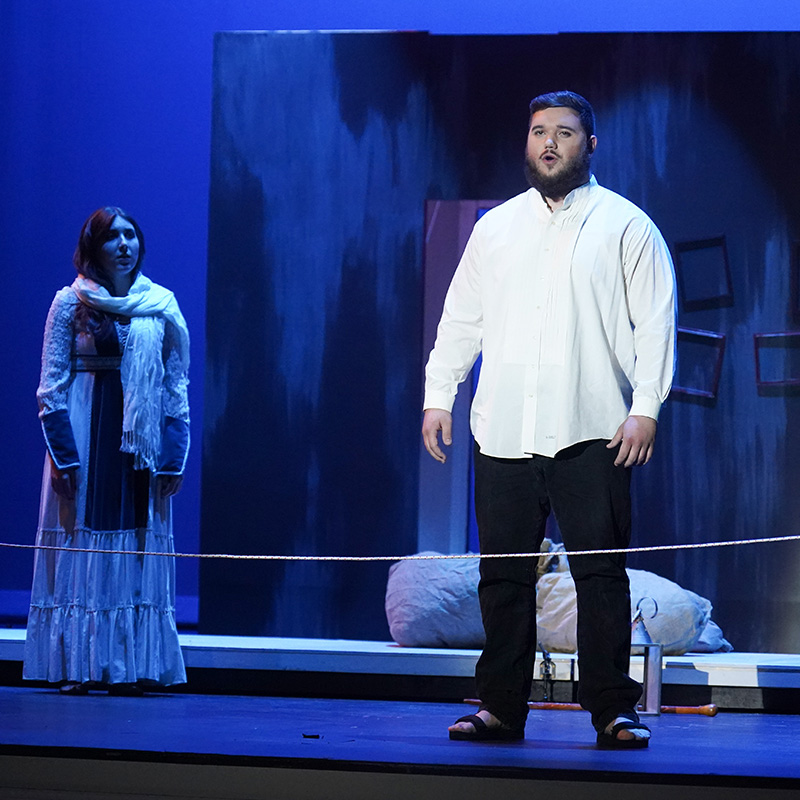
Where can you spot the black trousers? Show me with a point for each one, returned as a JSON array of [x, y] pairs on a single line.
[[591, 500]]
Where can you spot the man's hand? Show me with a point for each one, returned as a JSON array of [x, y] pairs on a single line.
[[437, 419], [637, 435]]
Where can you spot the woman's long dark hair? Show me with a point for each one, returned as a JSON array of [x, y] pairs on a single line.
[[86, 259]]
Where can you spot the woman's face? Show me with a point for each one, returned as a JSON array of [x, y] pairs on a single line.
[[119, 253]]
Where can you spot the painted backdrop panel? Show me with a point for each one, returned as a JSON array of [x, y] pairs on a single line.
[[325, 147], [322, 157]]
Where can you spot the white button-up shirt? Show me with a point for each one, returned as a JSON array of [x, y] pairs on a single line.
[[574, 314]]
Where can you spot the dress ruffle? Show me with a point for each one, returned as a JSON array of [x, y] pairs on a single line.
[[103, 617]]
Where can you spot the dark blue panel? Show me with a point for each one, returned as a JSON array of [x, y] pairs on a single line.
[[320, 169], [319, 172], [676, 117]]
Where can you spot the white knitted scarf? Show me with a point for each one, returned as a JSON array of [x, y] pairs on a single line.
[[142, 368]]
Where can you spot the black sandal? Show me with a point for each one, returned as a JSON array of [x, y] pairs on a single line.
[[609, 741], [483, 733]]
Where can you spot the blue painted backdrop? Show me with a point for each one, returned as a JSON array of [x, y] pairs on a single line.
[[324, 150], [313, 311]]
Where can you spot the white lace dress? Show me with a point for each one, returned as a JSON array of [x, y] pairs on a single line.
[[94, 616]]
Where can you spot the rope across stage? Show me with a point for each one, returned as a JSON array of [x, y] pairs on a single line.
[[434, 557]]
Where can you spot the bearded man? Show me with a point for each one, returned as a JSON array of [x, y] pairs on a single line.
[[568, 291]]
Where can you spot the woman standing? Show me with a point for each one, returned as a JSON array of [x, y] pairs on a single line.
[[114, 410]]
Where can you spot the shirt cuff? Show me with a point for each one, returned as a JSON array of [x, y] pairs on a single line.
[[60, 440], [174, 447], [438, 399], [645, 407]]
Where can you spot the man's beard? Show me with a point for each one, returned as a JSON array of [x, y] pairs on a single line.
[[559, 184]]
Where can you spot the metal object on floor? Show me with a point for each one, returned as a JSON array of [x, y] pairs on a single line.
[[547, 673], [642, 644]]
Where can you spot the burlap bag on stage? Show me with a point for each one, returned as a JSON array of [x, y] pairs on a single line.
[[435, 604]]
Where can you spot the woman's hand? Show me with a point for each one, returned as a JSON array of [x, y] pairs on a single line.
[[64, 482], [168, 485]]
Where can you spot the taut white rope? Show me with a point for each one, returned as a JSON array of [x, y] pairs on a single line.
[[434, 557]]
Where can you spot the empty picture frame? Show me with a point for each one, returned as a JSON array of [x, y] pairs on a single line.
[[704, 276], [777, 359], [700, 355]]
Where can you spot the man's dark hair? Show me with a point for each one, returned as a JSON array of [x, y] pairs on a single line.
[[580, 105]]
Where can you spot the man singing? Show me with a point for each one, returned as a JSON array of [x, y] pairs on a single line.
[[567, 290]]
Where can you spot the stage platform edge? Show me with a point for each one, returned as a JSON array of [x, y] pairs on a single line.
[[734, 670]]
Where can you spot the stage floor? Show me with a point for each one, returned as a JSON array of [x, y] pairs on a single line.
[[185, 745], [228, 745]]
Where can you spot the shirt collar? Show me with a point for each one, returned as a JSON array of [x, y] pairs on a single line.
[[578, 192], [573, 201]]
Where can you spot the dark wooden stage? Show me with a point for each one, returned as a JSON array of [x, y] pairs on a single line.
[[239, 742], [218, 746]]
